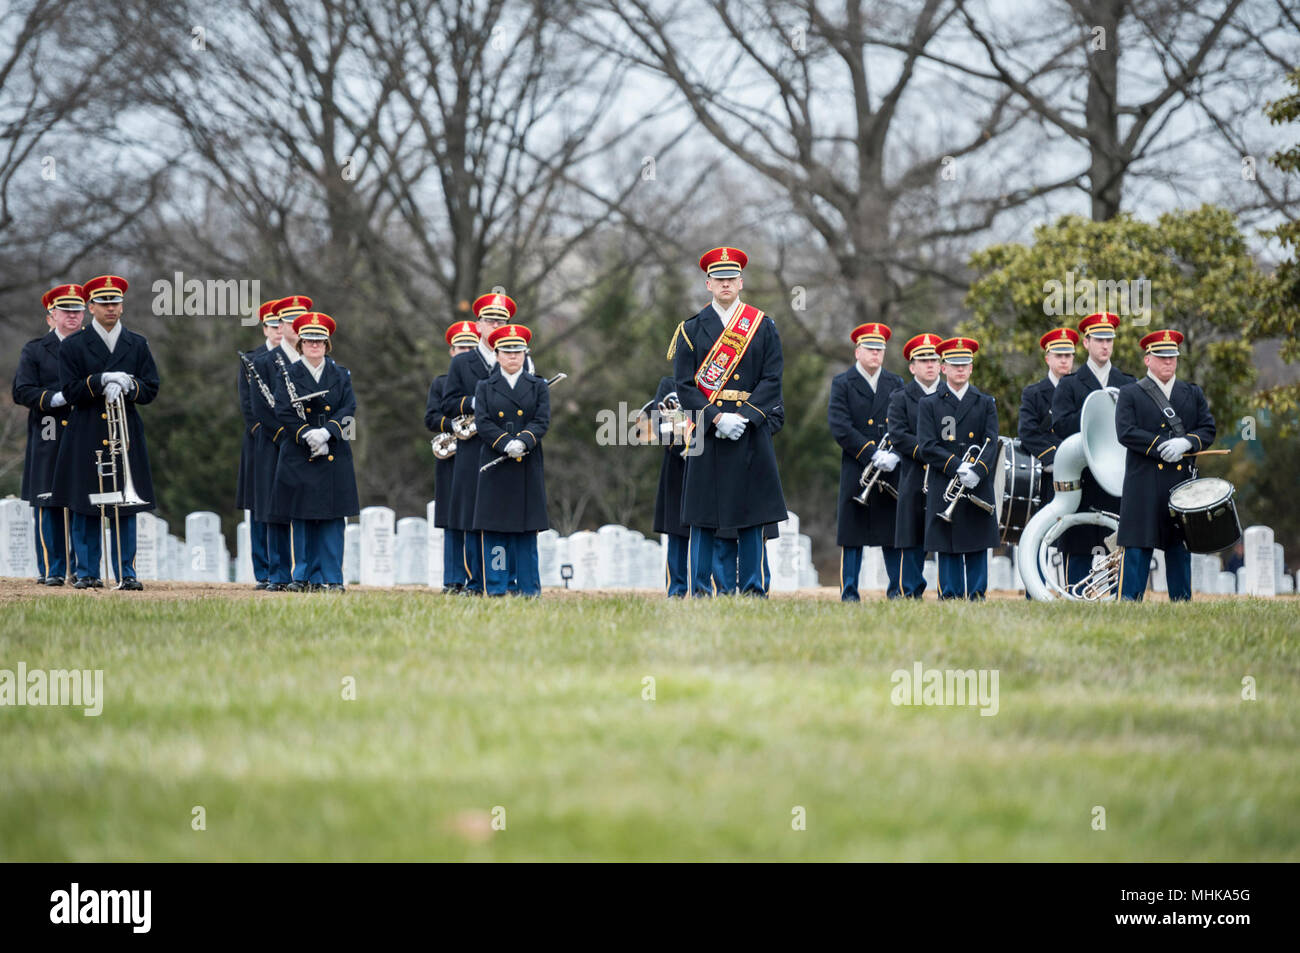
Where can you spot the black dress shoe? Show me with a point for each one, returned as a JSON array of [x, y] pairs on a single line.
[[40, 580], [53, 580], [315, 587], [334, 587], [262, 584], [296, 586], [87, 583], [274, 587], [132, 584]]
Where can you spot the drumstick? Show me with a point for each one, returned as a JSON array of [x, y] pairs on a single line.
[[1206, 453]]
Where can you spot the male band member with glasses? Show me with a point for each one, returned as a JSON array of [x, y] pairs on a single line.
[[1156, 461], [257, 455], [954, 418], [98, 365], [858, 414], [904, 408], [36, 387], [462, 337], [727, 367], [1078, 545]]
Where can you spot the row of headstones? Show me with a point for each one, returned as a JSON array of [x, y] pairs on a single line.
[[381, 550]]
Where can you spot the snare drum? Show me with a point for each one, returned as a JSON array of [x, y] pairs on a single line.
[[1018, 476], [1205, 511]]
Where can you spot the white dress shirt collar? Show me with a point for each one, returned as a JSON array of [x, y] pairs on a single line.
[[726, 313], [870, 379], [1053, 378], [1168, 389], [930, 389], [487, 354], [1100, 371], [108, 337], [315, 371], [959, 394], [512, 379], [61, 335], [291, 351]]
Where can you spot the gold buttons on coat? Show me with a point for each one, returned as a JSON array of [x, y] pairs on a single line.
[[519, 413], [870, 420], [327, 406], [736, 377], [64, 422], [971, 434], [103, 416], [330, 457], [738, 403], [719, 403], [1160, 466], [501, 413]]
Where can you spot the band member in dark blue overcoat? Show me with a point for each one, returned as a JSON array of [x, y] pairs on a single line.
[[950, 421], [315, 481], [858, 414], [1078, 545], [103, 362], [733, 351], [512, 411], [905, 455], [36, 387], [257, 455], [1157, 460], [462, 337], [286, 538]]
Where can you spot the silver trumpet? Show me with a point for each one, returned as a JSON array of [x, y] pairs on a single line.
[[956, 490], [118, 462], [870, 478]]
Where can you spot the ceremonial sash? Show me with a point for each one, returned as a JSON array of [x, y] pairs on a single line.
[[728, 350]]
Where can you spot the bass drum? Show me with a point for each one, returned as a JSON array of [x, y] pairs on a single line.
[[1205, 511], [1016, 497]]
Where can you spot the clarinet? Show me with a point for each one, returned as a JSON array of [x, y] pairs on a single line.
[[250, 373], [295, 399], [288, 384]]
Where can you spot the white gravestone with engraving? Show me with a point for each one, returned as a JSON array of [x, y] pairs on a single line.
[[378, 567], [412, 551], [1259, 555], [203, 547]]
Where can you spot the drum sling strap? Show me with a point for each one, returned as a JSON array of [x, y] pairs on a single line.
[[1167, 411], [1162, 403]]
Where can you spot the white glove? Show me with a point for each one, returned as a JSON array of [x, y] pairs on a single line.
[[730, 426], [112, 391], [885, 460], [515, 448], [1174, 449], [969, 478], [58, 400], [120, 378], [316, 438]]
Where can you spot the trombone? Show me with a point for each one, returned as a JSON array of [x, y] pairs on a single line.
[[871, 477], [956, 490], [119, 446]]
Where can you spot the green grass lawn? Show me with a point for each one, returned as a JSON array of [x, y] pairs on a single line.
[[462, 706]]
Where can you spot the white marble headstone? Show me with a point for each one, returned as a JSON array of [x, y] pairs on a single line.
[[244, 546], [1227, 583], [1260, 554], [584, 556], [548, 567], [412, 551], [352, 554], [203, 548], [1000, 573], [17, 539], [784, 555], [612, 566], [378, 566], [433, 549], [150, 546]]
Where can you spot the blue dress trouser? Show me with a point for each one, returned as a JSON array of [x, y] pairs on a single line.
[[679, 548], [1136, 567], [751, 581], [508, 556], [52, 555], [324, 544], [87, 542], [964, 575]]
